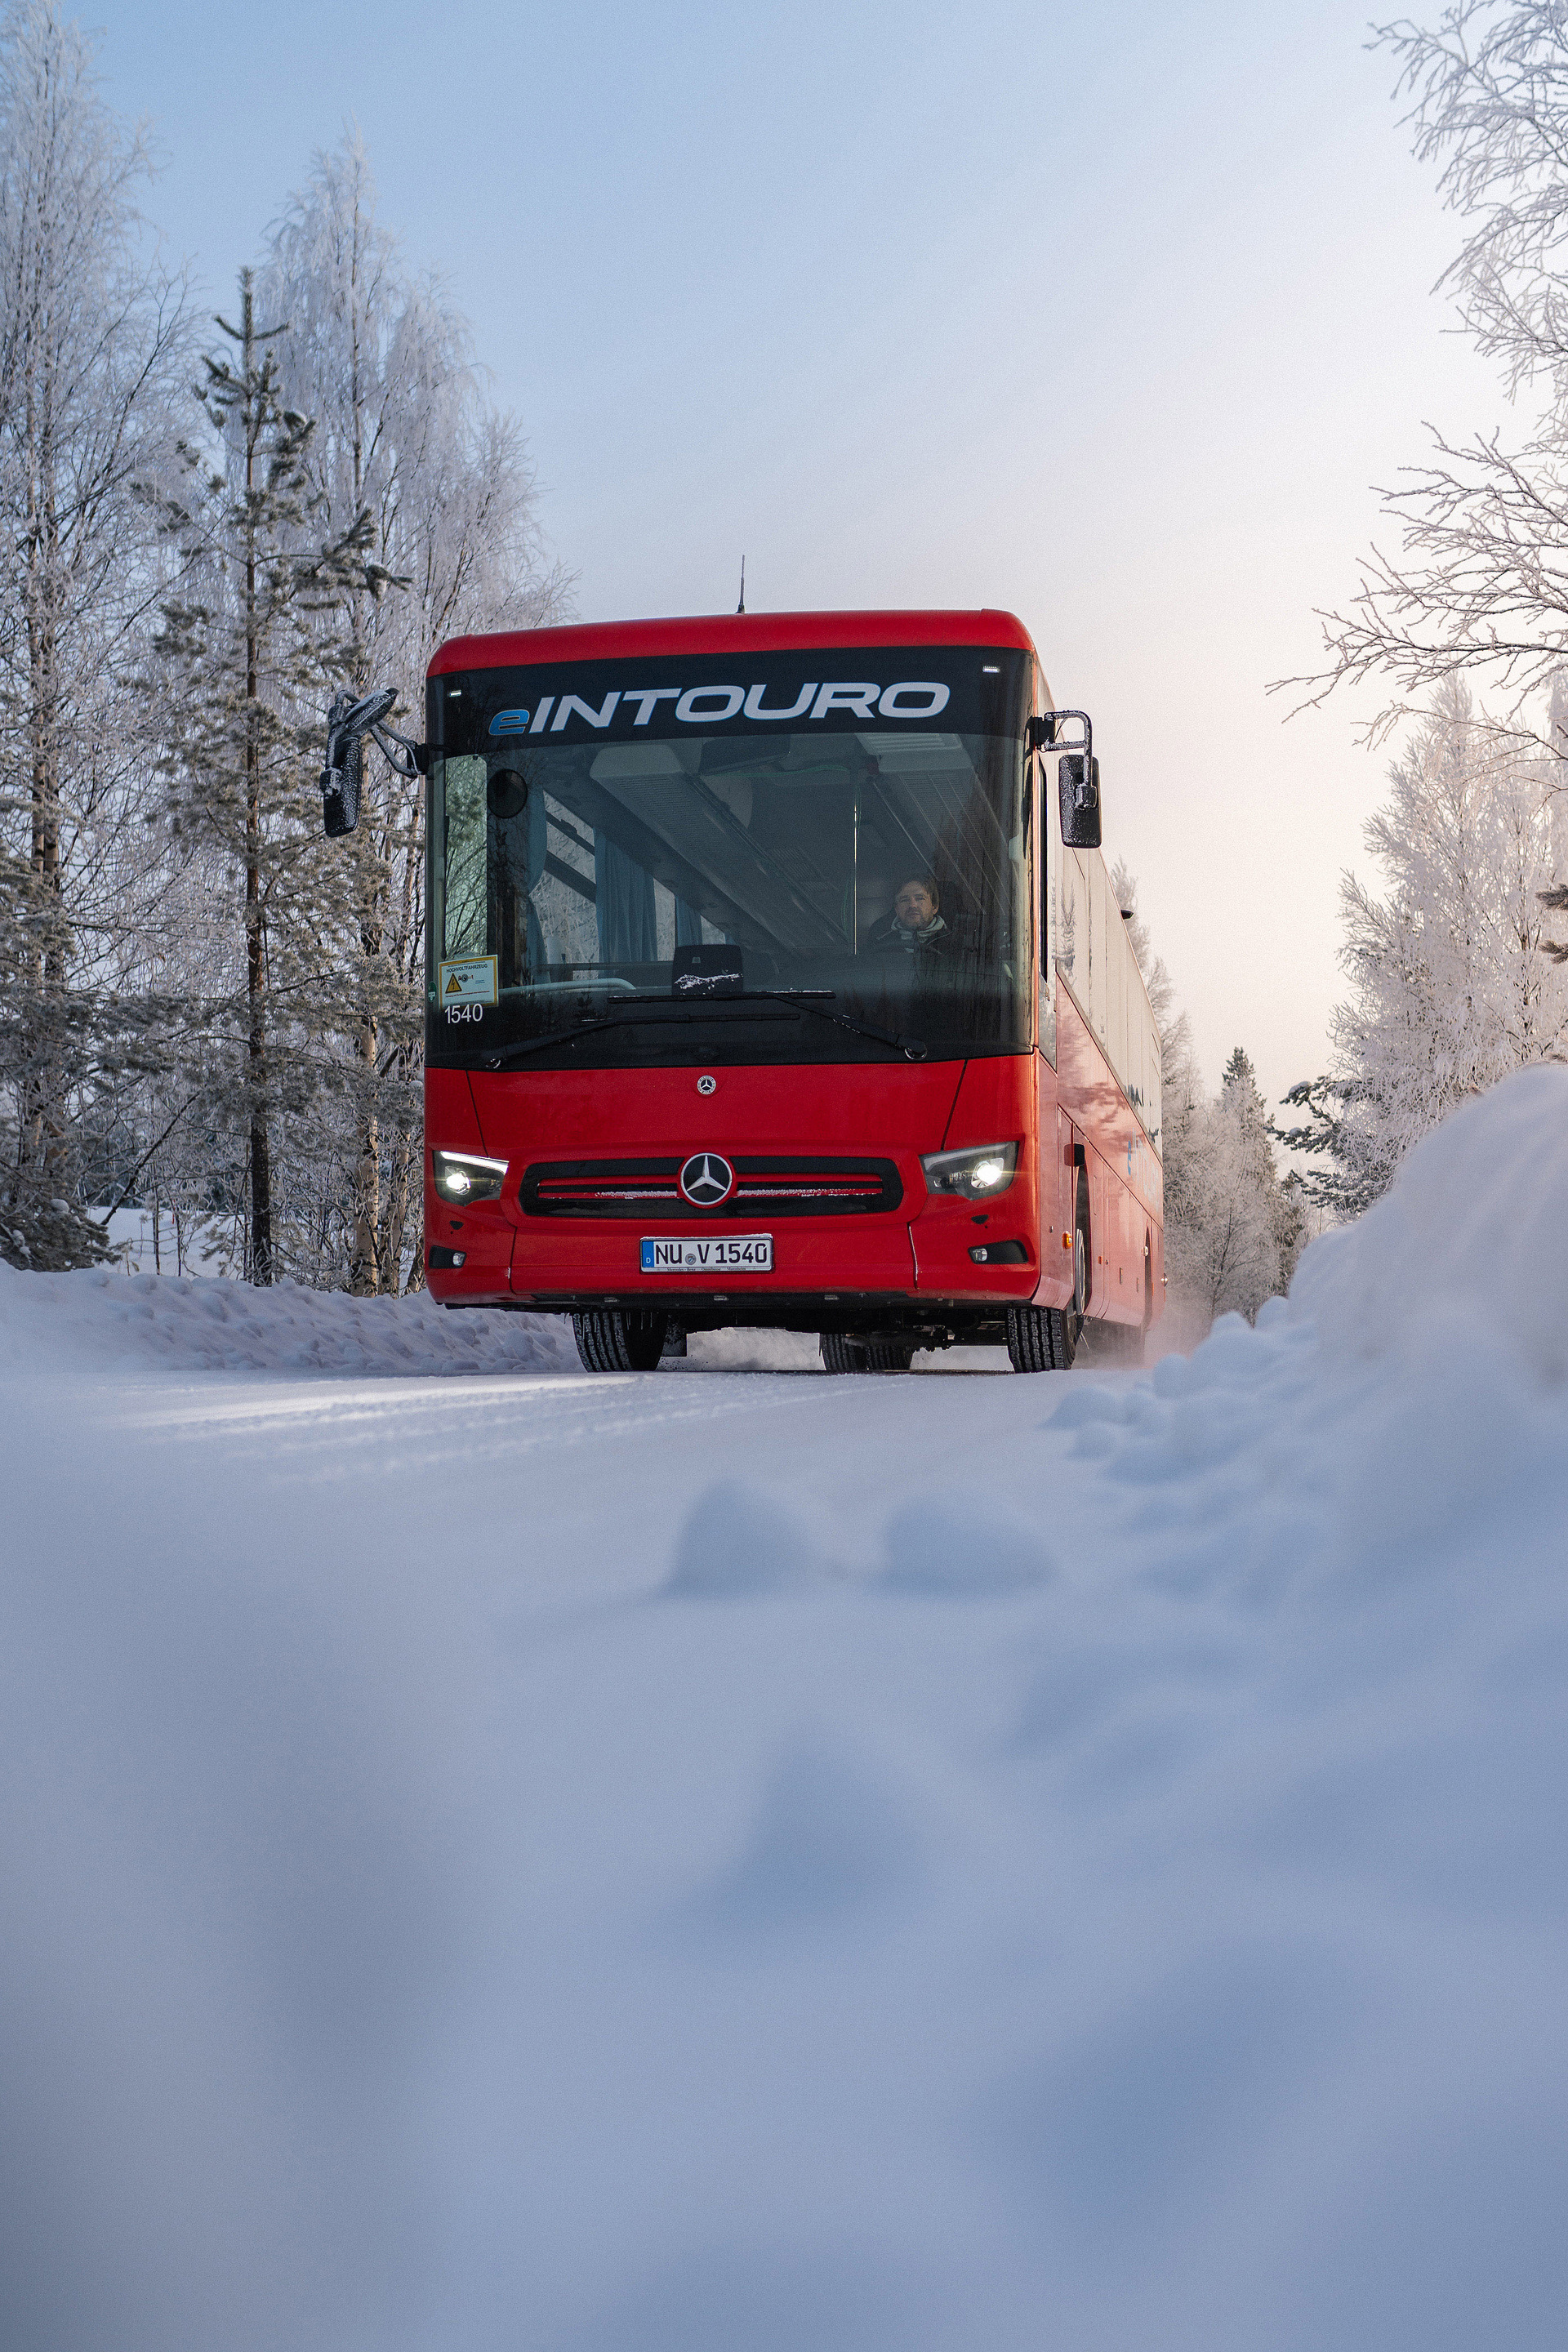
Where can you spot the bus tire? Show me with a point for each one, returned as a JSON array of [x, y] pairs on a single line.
[[842, 1355], [1041, 1339], [1028, 1338], [1076, 1312], [615, 1339], [1066, 1330]]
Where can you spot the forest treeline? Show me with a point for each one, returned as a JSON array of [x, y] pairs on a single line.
[[207, 527], [1234, 1227]]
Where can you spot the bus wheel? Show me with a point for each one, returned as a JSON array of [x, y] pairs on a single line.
[[1076, 1313], [842, 1355], [1041, 1339], [615, 1340]]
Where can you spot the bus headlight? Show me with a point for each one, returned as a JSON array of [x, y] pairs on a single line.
[[460, 1177], [974, 1175]]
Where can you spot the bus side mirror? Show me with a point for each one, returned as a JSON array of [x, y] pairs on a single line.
[[348, 724], [340, 780], [1078, 777]]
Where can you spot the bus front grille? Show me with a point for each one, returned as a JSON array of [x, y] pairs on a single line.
[[810, 1187]]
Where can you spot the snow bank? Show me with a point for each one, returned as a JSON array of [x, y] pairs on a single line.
[[728, 1864], [198, 1324], [1469, 1248]]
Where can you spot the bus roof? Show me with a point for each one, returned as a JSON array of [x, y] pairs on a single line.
[[722, 633]]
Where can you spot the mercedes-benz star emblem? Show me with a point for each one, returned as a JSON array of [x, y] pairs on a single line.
[[707, 1179]]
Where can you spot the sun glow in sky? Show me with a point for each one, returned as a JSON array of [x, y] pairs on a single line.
[[1107, 320]]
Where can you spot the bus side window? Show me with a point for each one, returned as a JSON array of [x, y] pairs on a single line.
[[1050, 866], [465, 890], [1068, 892]]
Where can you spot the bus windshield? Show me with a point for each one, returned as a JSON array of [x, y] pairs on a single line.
[[880, 866]]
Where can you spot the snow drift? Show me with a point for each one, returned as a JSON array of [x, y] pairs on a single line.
[[768, 1861], [185, 1323], [1469, 1248]]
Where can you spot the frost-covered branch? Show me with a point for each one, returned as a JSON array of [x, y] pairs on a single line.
[[1477, 584]]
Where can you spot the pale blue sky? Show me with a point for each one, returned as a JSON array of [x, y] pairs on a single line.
[[1108, 319]]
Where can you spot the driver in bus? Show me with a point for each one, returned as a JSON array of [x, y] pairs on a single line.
[[915, 926]]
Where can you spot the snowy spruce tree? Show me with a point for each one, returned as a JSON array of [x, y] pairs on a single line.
[[247, 662], [384, 364], [91, 336]]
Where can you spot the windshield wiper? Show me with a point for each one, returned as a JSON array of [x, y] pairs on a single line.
[[913, 1047], [687, 1009], [674, 1009], [538, 1045], [583, 1029]]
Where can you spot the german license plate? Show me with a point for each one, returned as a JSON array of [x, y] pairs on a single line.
[[730, 1253]]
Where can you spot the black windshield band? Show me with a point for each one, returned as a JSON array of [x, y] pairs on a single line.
[[969, 689]]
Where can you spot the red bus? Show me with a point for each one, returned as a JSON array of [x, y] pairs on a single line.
[[774, 978]]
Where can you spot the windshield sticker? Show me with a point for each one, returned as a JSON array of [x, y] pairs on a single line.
[[510, 723], [469, 979]]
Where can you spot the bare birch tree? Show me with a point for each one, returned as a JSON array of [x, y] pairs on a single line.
[[1478, 583], [91, 335]]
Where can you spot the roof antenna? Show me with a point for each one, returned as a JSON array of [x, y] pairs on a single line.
[[742, 605]]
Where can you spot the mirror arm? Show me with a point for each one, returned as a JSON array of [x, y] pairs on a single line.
[[415, 758], [1077, 774], [1046, 732]]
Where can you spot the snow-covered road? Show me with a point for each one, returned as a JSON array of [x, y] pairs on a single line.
[[746, 1860]]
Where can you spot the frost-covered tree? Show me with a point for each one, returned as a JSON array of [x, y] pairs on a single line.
[[1233, 1231], [1451, 968], [1454, 978], [246, 666], [384, 363], [1174, 1025], [197, 995], [91, 334]]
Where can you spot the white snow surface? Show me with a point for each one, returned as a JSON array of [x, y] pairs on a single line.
[[747, 1862]]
